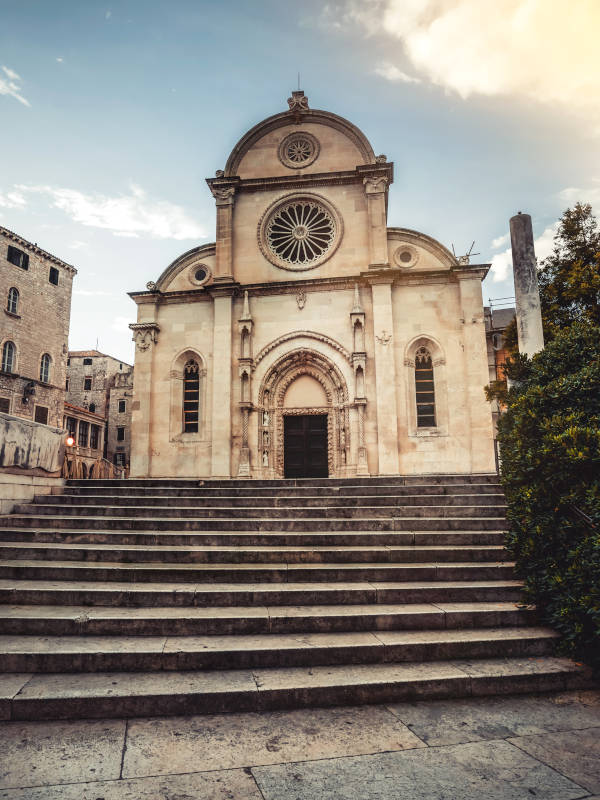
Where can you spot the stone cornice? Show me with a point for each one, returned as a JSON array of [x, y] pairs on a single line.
[[14, 237], [471, 270], [307, 181]]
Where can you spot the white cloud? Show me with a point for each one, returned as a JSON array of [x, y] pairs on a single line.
[[391, 73], [500, 241], [573, 195], [108, 14], [77, 245], [60, 59], [542, 50], [133, 214], [10, 87], [12, 200], [502, 262]]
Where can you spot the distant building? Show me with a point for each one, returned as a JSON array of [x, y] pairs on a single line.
[[35, 289], [103, 385], [496, 322], [87, 430]]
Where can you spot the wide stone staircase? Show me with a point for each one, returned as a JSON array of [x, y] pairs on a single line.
[[171, 596]]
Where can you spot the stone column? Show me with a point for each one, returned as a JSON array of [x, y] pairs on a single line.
[[223, 190], [527, 295], [385, 376], [221, 381], [145, 336], [478, 419], [376, 191]]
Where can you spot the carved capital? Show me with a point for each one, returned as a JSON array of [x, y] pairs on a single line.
[[223, 195], [145, 334], [375, 184]]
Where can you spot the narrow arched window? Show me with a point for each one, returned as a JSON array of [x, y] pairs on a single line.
[[13, 300], [424, 389], [191, 396], [45, 368], [8, 357]]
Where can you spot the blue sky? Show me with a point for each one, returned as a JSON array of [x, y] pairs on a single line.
[[114, 113]]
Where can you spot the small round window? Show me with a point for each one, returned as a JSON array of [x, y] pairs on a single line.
[[406, 256], [199, 274], [298, 150]]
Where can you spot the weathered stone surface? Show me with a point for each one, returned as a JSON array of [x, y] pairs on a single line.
[[159, 746], [471, 719], [490, 770], [30, 445], [575, 754], [10, 685], [228, 785], [45, 753]]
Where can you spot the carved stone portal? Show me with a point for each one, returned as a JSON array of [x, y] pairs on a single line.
[[272, 411]]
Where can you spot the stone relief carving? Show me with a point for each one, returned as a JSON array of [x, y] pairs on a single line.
[[319, 337], [223, 195], [375, 184], [384, 338], [145, 334], [301, 299], [298, 101]]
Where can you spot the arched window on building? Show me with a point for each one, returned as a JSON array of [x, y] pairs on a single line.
[[191, 396], [424, 389], [92, 408], [8, 356], [45, 364], [12, 304]]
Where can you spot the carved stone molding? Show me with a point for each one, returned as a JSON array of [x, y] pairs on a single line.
[[145, 334], [375, 184], [286, 337]]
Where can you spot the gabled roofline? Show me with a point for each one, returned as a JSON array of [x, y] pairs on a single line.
[[169, 273], [35, 249], [309, 115]]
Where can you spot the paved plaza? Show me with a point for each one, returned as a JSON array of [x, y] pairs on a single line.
[[497, 748]]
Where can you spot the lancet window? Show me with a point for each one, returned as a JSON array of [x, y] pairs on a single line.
[[191, 396], [424, 389]]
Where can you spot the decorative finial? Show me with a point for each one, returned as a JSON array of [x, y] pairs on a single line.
[[381, 159], [151, 286], [298, 102], [357, 308], [246, 309], [219, 173]]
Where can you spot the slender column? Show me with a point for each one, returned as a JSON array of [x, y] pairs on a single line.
[[385, 377], [221, 382], [223, 190], [145, 335], [478, 420], [376, 190], [527, 294]]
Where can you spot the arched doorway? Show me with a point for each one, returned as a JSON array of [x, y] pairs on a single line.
[[303, 418]]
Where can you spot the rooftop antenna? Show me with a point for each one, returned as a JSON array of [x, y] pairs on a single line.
[[466, 258]]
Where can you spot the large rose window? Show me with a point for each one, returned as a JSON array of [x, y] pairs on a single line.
[[300, 234]]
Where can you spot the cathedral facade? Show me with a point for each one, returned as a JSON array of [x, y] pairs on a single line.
[[310, 339]]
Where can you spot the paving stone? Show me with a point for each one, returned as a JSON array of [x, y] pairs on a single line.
[[490, 770], [45, 753], [160, 746], [443, 722], [227, 785], [575, 754]]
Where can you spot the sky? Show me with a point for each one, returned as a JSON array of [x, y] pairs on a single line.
[[113, 114]]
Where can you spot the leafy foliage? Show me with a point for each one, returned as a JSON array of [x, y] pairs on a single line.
[[550, 448]]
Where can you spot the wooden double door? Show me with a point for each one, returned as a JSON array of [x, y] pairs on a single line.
[[305, 446]]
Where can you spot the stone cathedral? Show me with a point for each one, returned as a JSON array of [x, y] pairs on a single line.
[[310, 339]]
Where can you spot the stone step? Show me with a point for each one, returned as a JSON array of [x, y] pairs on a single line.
[[249, 513], [252, 573], [194, 621], [149, 594], [90, 489], [63, 653], [275, 538], [275, 523], [125, 694], [264, 554], [234, 501], [396, 480]]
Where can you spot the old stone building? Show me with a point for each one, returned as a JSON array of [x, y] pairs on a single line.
[[35, 288], [85, 441], [103, 385], [311, 339]]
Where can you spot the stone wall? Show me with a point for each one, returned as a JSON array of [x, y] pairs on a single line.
[[28, 445], [121, 389], [40, 325], [101, 371]]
